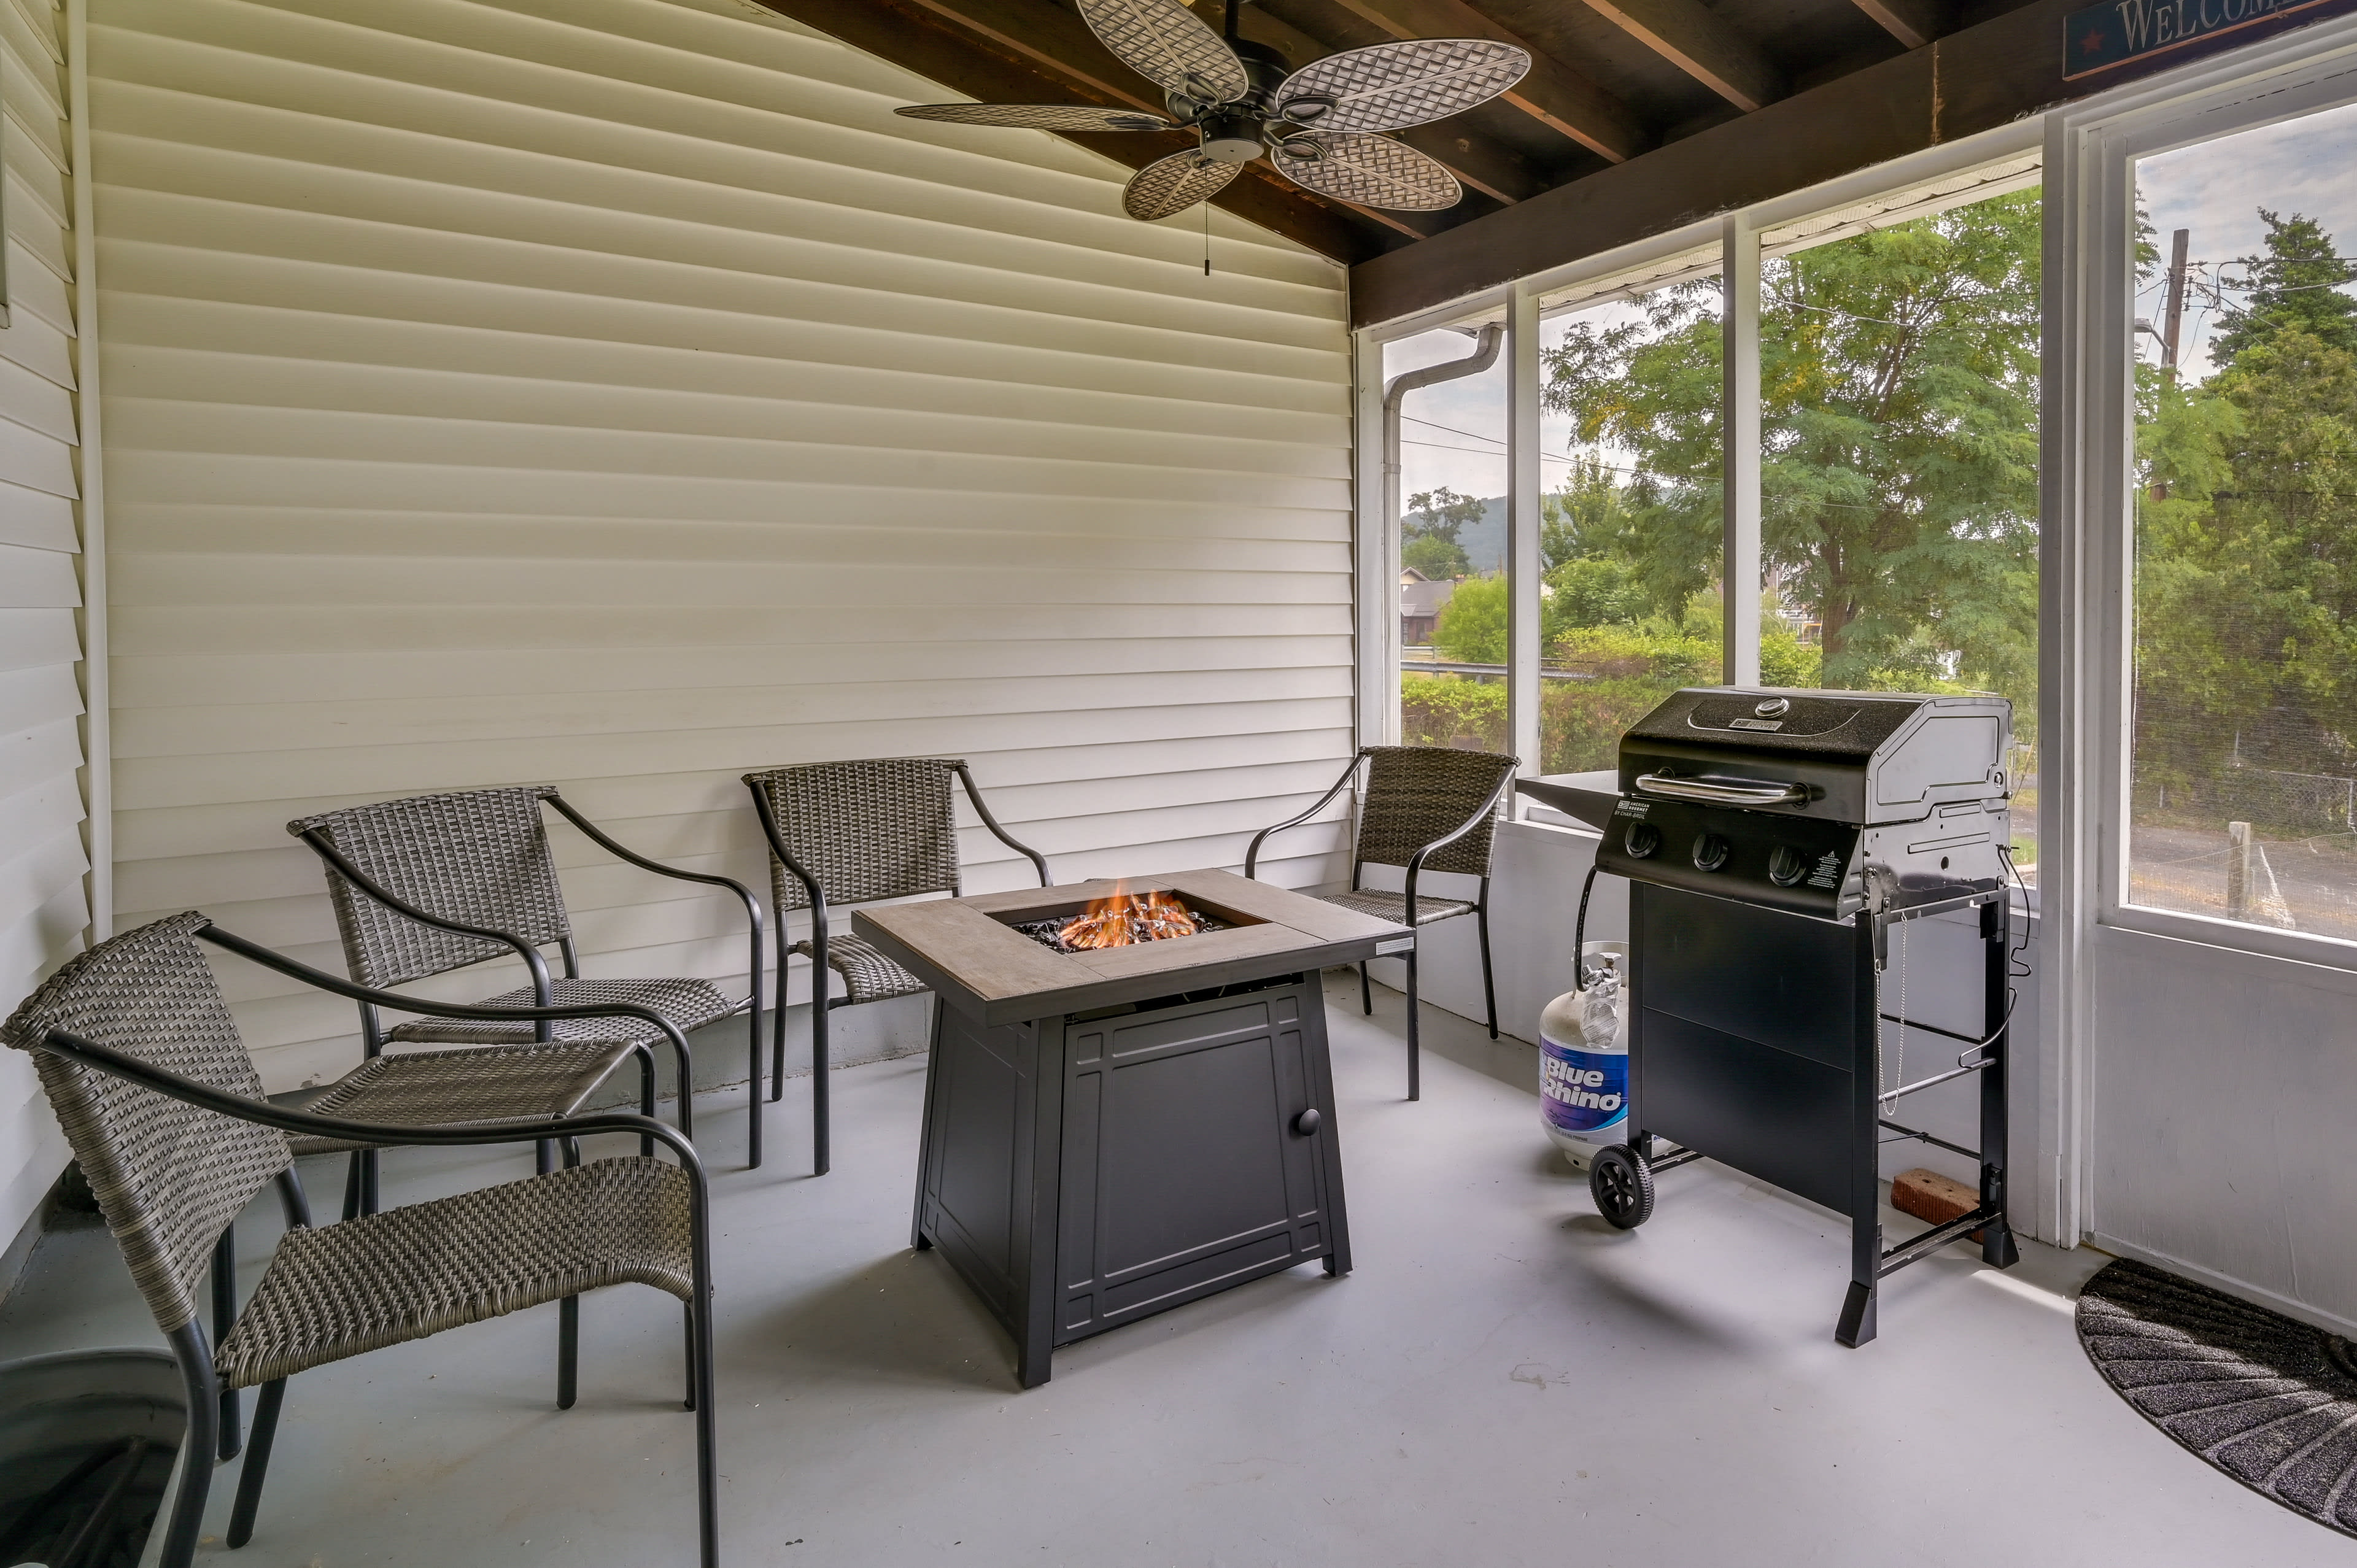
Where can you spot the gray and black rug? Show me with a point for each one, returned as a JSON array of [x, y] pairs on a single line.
[[2271, 1401]]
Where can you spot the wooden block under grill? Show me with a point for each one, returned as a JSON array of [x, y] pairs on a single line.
[[1927, 1195]]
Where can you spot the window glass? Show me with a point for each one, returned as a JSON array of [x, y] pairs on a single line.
[[1452, 536], [1898, 410], [2243, 762], [1629, 464]]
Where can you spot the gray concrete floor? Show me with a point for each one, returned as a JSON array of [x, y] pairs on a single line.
[[1503, 1381]]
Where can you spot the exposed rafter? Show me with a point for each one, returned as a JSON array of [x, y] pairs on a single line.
[[1554, 93], [1912, 22], [1694, 40]]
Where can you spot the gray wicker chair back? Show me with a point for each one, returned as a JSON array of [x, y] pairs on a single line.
[[476, 856], [169, 1176], [876, 829], [1418, 793]]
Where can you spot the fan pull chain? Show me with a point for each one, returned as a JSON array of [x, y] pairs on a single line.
[[1207, 239]]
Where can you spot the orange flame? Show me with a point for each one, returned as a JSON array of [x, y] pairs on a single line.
[[1125, 918]]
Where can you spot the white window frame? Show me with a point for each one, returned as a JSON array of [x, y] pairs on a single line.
[[1944, 175], [2088, 575]]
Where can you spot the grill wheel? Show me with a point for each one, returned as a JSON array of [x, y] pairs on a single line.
[[1621, 1182]]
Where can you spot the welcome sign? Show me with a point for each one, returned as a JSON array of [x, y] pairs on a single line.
[[2101, 36]]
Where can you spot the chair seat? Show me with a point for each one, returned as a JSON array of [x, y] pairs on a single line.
[[867, 974], [1393, 906], [688, 1004], [491, 1083], [384, 1279]]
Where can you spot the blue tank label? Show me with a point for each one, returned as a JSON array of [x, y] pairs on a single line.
[[1583, 1092]]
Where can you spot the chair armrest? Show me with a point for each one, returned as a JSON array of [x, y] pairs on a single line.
[[384, 895], [604, 840], [269, 959], [1415, 862], [1252, 852], [120, 1064], [1038, 861]]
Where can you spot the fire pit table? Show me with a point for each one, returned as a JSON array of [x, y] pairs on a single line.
[[1130, 1103]]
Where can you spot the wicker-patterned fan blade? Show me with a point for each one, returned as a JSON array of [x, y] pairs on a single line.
[[1386, 86], [1038, 116], [1163, 42], [1373, 171], [1174, 184]]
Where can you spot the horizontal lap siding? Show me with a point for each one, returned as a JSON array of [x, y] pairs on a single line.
[[44, 907], [614, 393]]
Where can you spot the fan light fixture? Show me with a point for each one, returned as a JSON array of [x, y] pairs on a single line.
[[1317, 125]]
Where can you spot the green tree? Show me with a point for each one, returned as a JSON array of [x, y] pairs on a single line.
[[1899, 385], [1471, 629], [2296, 286], [1429, 529]]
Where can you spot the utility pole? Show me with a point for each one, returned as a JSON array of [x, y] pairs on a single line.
[[2175, 318]]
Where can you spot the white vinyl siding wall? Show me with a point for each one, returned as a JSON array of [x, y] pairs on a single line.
[[44, 908], [613, 393]]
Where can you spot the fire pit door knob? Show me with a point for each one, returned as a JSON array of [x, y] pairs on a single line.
[[1307, 1121]]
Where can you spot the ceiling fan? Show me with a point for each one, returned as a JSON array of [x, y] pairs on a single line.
[[1316, 124]]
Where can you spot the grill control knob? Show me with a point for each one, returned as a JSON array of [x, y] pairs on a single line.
[[1642, 840], [1786, 865], [1710, 851]]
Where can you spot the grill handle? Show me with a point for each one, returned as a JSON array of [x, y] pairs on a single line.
[[1723, 791]]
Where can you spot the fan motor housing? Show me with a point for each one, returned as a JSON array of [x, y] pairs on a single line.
[[1232, 137]]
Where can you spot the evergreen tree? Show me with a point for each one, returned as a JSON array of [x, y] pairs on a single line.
[[2296, 286]]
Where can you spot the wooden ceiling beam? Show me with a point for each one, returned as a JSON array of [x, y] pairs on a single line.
[[971, 61], [1476, 160], [1554, 93], [1913, 23], [1690, 37]]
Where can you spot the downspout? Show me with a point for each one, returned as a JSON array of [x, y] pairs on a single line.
[[1484, 355]]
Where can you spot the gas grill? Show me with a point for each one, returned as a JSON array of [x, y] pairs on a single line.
[[1772, 841]]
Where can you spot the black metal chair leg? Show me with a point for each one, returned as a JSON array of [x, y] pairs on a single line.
[[778, 1019], [646, 1099], [257, 1462], [689, 1313], [820, 1158], [1366, 991], [753, 1070], [707, 1442], [371, 1171], [224, 1273], [1415, 1057], [568, 1321], [1488, 983], [353, 1185], [187, 1515]]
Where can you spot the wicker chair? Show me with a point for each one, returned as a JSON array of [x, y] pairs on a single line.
[[849, 832], [1426, 808], [161, 1106], [434, 883]]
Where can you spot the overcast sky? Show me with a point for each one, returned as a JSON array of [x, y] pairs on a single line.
[[2215, 188]]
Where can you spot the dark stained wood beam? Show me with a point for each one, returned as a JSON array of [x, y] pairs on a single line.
[[1480, 163], [1554, 94], [1974, 80], [1013, 68], [1913, 23], [1694, 40]]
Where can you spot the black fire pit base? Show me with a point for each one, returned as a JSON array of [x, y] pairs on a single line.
[[1087, 1170]]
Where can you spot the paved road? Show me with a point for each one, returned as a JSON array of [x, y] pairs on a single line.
[[2309, 884]]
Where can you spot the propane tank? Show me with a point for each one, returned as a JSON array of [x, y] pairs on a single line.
[[1584, 1057]]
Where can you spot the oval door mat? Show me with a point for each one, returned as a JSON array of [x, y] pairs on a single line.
[[2271, 1401]]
